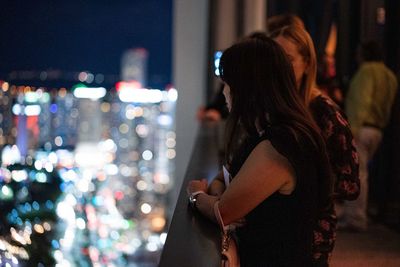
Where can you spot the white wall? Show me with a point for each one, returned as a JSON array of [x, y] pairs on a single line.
[[189, 73]]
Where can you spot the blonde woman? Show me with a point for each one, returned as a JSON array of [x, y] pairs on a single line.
[[334, 128]]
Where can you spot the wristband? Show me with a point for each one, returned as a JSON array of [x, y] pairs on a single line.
[[193, 198]]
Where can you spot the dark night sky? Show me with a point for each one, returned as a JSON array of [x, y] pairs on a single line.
[[91, 35]]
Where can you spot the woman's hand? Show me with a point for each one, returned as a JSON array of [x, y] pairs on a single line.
[[204, 114], [197, 185]]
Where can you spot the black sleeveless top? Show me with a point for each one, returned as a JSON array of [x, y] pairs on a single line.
[[279, 231]]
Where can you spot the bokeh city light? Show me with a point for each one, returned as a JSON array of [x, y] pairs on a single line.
[[85, 174]]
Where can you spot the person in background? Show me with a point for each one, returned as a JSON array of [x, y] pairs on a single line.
[[334, 128], [279, 178], [368, 105], [216, 110]]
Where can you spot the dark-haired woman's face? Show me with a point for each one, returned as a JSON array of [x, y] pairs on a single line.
[[297, 60], [227, 94]]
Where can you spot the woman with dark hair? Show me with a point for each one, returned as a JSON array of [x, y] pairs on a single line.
[[334, 128], [279, 174]]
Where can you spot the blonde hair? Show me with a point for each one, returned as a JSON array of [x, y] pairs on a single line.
[[305, 46], [277, 22]]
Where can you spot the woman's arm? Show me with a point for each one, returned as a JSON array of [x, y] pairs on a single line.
[[343, 159], [264, 172], [342, 153]]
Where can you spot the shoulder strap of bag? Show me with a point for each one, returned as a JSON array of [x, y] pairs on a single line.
[[224, 228], [229, 251]]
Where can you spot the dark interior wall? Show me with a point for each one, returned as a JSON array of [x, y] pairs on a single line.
[[348, 37], [370, 27], [386, 176], [392, 34], [278, 7]]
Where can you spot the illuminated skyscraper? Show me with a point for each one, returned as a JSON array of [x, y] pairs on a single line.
[[134, 66], [65, 119], [6, 117]]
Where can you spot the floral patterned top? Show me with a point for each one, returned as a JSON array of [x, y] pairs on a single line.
[[340, 146], [344, 163]]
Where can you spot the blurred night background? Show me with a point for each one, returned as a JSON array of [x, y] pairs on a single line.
[[73, 36], [86, 167], [94, 139]]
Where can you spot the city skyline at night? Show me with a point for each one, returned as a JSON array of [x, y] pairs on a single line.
[[92, 36]]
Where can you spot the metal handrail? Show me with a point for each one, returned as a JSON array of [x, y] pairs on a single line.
[[193, 240]]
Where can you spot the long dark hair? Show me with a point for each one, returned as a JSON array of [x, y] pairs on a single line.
[[262, 86], [263, 94]]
